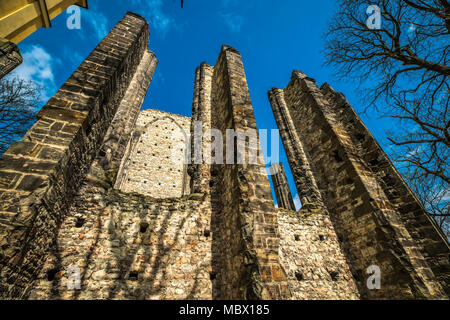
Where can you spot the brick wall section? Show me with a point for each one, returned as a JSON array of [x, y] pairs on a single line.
[[245, 234], [370, 229], [156, 165], [311, 255], [41, 173], [281, 187], [422, 228], [199, 168], [119, 134], [129, 246]]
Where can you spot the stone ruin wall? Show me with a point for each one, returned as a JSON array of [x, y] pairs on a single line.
[[243, 220], [310, 252], [369, 223], [419, 224], [129, 246], [217, 236], [156, 164], [312, 257], [132, 246], [42, 172]]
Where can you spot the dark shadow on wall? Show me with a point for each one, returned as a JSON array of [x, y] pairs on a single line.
[[216, 228], [155, 219], [151, 285]]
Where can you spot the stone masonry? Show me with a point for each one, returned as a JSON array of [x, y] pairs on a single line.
[[10, 57], [313, 258], [41, 173], [244, 229], [378, 221], [156, 164], [127, 239], [101, 200], [281, 187]]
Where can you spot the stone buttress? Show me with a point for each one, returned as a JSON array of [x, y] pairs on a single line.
[[281, 186], [245, 237], [376, 217], [101, 200], [42, 173]]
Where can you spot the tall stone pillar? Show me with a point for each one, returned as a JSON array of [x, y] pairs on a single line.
[[304, 179], [245, 238], [281, 186], [41, 173], [199, 169], [380, 224]]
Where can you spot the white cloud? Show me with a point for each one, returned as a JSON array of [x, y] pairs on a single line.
[[233, 22], [297, 202], [152, 9], [73, 56], [97, 21], [37, 66], [446, 196], [228, 3]]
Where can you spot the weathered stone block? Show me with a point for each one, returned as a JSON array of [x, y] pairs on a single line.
[[338, 167]]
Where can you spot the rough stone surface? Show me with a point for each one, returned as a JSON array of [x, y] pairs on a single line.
[[47, 167], [10, 57], [281, 186], [366, 198], [310, 252], [156, 164], [129, 246], [81, 192], [244, 218], [419, 224]]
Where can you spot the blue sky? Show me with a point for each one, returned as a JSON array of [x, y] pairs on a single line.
[[274, 37]]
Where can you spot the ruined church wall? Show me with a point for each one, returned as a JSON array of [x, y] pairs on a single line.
[[245, 234], [41, 173], [129, 246], [156, 165], [312, 257], [368, 226], [66, 203], [420, 225]]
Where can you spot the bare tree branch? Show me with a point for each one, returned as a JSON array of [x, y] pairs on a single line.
[[19, 100], [403, 71]]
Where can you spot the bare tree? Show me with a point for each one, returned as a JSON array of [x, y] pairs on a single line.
[[435, 196], [19, 100], [398, 52]]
